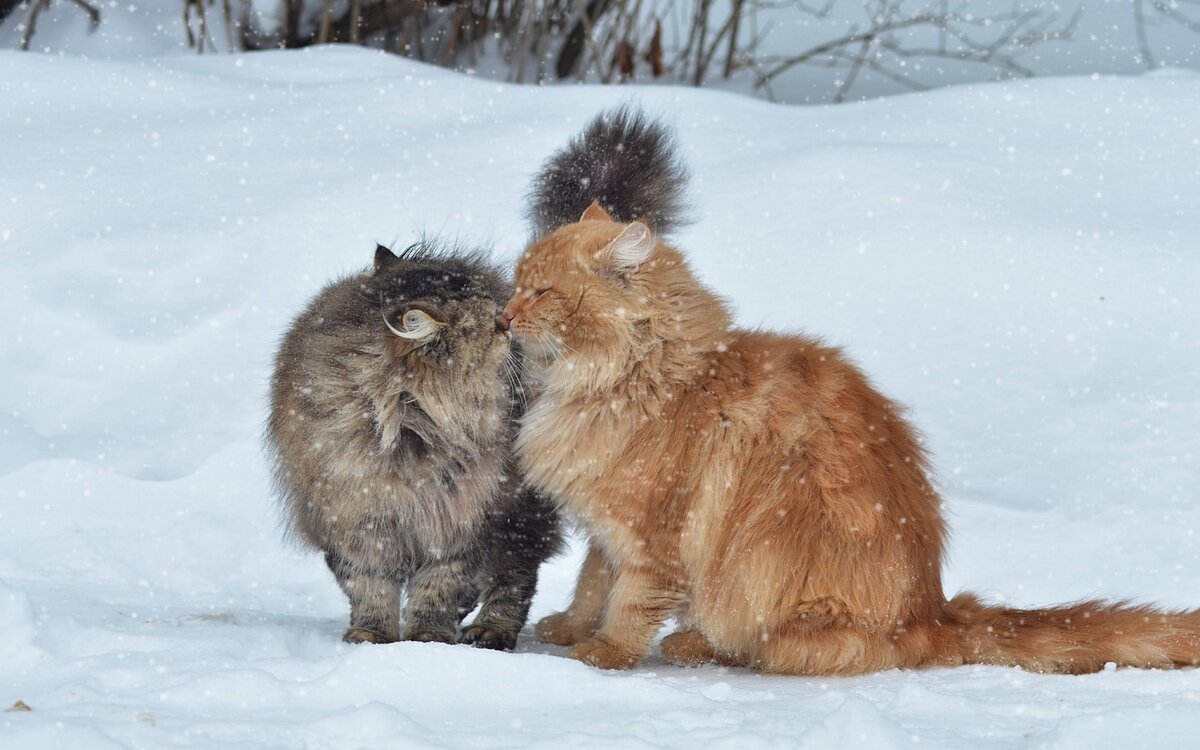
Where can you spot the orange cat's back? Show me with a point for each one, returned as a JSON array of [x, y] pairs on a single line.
[[800, 499]]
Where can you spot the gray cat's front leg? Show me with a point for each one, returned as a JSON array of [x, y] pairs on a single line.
[[522, 535], [374, 604], [439, 596], [506, 598]]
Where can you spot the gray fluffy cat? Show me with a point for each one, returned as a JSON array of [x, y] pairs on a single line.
[[393, 405]]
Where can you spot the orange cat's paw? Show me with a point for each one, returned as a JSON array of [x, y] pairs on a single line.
[[598, 652], [559, 630], [688, 648]]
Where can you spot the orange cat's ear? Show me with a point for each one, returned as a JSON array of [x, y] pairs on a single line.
[[630, 249], [595, 212]]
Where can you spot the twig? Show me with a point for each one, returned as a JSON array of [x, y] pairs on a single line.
[[40, 5]]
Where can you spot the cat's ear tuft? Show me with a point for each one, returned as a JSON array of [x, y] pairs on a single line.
[[630, 249], [595, 212], [384, 258]]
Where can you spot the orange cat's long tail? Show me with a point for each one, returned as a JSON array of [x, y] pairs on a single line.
[[1075, 638]]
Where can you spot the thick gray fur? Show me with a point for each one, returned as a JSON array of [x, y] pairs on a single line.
[[625, 160], [393, 457]]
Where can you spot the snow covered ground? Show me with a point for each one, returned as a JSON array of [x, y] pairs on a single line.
[[1018, 262]]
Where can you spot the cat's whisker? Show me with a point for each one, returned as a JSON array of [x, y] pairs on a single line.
[[520, 368], [548, 341], [522, 395], [513, 377], [567, 346]]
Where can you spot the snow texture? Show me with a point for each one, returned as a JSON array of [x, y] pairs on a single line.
[[1018, 262]]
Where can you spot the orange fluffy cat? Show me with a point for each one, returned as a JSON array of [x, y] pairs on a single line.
[[754, 485]]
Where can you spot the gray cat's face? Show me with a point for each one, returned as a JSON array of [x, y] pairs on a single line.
[[440, 317]]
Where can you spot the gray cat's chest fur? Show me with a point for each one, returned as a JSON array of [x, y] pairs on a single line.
[[395, 468]]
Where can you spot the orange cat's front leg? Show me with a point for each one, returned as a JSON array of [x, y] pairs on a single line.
[[641, 598], [582, 618]]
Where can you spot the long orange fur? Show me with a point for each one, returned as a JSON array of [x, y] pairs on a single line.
[[754, 485]]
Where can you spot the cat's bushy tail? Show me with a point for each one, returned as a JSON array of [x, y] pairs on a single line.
[[624, 159], [1074, 638]]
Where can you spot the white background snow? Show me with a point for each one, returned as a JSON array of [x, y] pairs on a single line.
[[1018, 262], [1104, 39]]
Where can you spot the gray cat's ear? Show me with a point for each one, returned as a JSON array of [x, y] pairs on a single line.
[[630, 249], [384, 258]]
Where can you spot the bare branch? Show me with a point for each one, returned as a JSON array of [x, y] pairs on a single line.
[[997, 41], [1171, 10], [38, 6]]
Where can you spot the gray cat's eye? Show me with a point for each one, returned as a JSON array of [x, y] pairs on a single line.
[[417, 324], [414, 319]]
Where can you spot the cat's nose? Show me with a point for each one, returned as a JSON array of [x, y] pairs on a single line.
[[503, 320]]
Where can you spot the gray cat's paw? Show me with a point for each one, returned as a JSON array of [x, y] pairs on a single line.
[[482, 635], [365, 635], [430, 636]]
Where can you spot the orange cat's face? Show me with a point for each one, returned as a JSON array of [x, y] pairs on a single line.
[[578, 291]]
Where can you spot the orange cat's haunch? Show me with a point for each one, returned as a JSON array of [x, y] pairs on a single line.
[[754, 485]]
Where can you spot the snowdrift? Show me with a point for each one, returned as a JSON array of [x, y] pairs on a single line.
[[1017, 262]]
